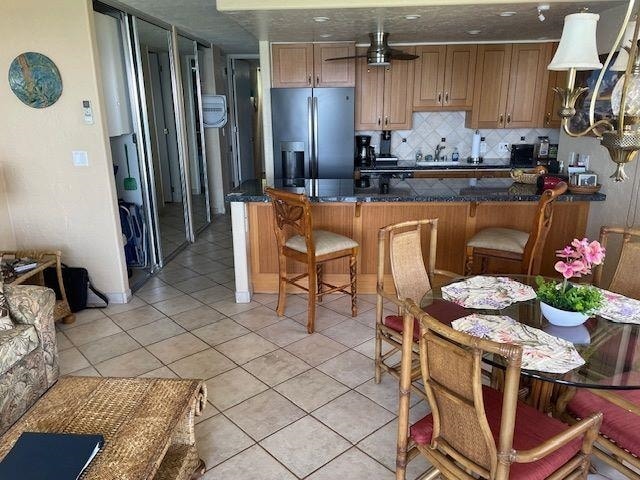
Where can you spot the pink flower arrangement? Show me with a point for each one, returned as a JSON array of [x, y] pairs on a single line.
[[579, 258]]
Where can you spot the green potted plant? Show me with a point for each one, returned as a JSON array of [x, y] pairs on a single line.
[[566, 304]]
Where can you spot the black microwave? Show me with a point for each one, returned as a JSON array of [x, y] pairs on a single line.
[[522, 155]]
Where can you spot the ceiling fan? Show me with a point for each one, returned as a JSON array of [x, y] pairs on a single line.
[[379, 52]]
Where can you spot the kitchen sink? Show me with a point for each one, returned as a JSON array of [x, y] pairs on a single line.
[[433, 163]]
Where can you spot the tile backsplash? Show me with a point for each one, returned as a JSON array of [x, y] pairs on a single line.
[[430, 127]]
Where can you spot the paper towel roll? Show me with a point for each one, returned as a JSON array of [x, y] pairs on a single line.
[[475, 145]]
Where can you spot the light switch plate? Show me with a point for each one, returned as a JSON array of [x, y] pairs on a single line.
[[503, 147], [80, 158]]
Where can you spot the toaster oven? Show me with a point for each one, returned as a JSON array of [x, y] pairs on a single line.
[[522, 155]]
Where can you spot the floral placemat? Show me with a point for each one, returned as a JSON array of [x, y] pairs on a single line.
[[489, 293], [618, 308], [540, 351]]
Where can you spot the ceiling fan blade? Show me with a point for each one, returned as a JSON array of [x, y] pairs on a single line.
[[344, 58], [400, 55]]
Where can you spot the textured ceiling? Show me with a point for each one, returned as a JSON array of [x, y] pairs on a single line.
[[201, 18], [444, 23], [238, 31]]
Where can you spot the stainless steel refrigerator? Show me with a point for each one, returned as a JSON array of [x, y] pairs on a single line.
[[313, 132]]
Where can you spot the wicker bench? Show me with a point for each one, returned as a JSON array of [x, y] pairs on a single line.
[[147, 424]]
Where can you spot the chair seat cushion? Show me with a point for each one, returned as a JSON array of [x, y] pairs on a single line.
[[326, 242], [505, 239], [442, 310], [531, 429], [619, 425], [15, 344]]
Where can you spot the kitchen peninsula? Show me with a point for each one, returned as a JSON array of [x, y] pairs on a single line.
[[338, 206]]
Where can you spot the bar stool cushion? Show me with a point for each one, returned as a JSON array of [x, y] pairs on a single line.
[[326, 242], [618, 425], [531, 429], [505, 239]]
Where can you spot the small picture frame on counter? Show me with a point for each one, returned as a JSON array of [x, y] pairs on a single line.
[[586, 179]]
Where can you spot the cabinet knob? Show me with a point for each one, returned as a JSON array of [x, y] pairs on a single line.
[[386, 120], [446, 97], [317, 80], [508, 119], [547, 118], [309, 79], [440, 98], [500, 120]]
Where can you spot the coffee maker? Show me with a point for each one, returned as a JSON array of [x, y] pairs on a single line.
[[363, 159], [385, 157]]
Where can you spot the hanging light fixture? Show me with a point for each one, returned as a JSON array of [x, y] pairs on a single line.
[[578, 51]]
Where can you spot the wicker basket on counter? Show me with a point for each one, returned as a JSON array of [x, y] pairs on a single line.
[[527, 176]]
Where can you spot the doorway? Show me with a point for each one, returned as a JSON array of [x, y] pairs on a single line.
[[246, 118]]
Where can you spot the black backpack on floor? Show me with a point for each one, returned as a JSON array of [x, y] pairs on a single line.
[[76, 285]]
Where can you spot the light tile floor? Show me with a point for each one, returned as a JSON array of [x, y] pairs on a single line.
[[282, 404]]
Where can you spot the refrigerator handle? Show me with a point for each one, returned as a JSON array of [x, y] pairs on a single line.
[[315, 137], [311, 139]]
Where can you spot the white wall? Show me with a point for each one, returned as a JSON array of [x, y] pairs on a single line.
[[53, 204], [7, 238]]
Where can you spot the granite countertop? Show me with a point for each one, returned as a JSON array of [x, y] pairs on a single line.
[[445, 190]]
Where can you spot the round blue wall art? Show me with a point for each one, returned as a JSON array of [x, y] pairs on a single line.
[[35, 80]]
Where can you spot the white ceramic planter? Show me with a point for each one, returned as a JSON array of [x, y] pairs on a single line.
[[562, 318]]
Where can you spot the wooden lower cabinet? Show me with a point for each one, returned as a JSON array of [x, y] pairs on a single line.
[[457, 222]]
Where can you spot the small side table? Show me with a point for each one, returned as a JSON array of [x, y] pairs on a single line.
[[35, 276]]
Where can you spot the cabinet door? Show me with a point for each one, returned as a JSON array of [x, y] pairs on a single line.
[[429, 77], [291, 65], [553, 104], [491, 86], [527, 85], [369, 95], [398, 94], [336, 73], [459, 76]]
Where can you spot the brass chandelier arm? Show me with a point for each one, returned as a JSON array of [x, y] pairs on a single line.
[[604, 124]]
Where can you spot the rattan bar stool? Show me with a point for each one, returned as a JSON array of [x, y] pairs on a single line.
[[297, 240], [516, 245]]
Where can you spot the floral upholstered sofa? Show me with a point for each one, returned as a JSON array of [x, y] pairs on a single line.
[[28, 351]]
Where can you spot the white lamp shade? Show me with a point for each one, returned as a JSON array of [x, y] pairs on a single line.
[[620, 65], [577, 47]]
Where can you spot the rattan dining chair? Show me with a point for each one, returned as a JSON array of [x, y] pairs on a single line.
[[618, 444], [296, 239], [516, 245], [475, 431], [411, 279], [625, 280]]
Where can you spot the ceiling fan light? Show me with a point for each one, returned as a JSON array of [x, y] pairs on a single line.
[[577, 47]]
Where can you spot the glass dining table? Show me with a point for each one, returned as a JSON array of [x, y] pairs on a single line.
[[611, 350]]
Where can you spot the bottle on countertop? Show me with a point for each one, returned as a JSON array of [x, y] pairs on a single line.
[[419, 155], [542, 148], [483, 146], [455, 156]]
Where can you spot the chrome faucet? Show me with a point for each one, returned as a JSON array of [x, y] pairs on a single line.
[[436, 156]]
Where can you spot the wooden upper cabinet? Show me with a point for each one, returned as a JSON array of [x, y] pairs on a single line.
[[302, 65], [369, 95], [527, 85], [553, 104], [428, 84], [292, 65], [511, 86], [459, 76], [336, 73], [398, 94], [491, 86], [444, 77]]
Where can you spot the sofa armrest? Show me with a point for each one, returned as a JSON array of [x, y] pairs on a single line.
[[33, 305]]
